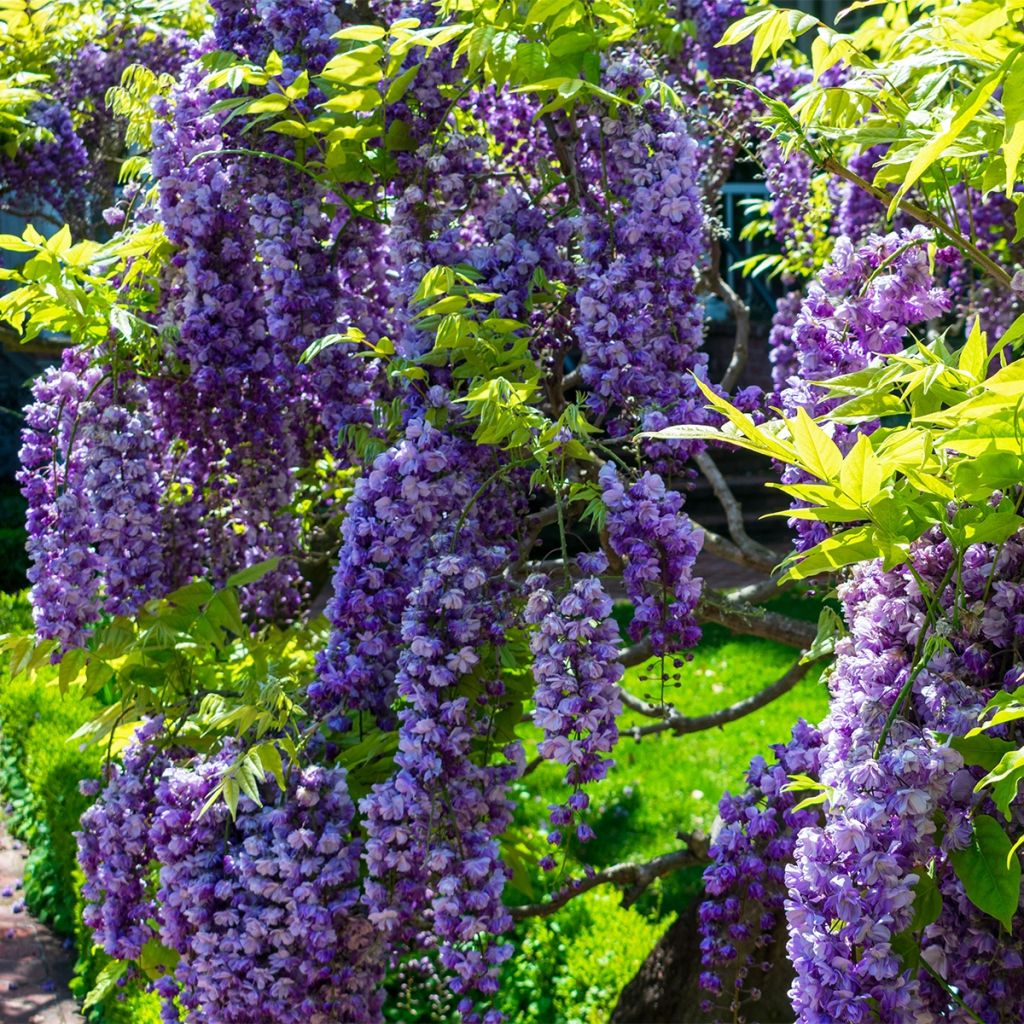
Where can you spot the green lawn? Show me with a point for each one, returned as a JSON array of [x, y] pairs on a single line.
[[571, 967]]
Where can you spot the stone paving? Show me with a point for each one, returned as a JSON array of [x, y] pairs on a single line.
[[35, 967]]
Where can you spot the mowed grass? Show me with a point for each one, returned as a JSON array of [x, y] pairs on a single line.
[[664, 784]]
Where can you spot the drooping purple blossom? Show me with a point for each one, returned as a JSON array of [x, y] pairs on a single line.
[[115, 851], [639, 321], [744, 885], [264, 909], [659, 545], [89, 473], [575, 664]]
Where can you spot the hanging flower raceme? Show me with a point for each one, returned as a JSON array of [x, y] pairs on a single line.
[[115, 850], [52, 171], [745, 883], [411, 491], [860, 308], [432, 849], [263, 907], [639, 319], [900, 801], [575, 664], [89, 472], [659, 545]]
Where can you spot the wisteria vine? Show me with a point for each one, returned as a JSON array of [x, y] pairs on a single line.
[[400, 366]]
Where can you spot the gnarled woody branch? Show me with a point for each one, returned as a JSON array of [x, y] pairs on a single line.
[[672, 721], [757, 554], [740, 313], [741, 617], [633, 878]]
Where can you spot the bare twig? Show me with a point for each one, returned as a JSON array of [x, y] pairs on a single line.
[[681, 725], [566, 155], [733, 511], [637, 654], [534, 524], [985, 262], [740, 314], [633, 878], [717, 545], [753, 621], [757, 593]]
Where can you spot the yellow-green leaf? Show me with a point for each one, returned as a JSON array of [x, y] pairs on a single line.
[[974, 355], [941, 141], [817, 453], [861, 473]]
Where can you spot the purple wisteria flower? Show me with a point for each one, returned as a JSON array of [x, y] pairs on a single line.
[[575, 664]]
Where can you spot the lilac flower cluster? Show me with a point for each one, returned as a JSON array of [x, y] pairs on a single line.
[[711, 18], [263, 910], [575, 652], [851, 884], [410, 492], [860, 307], [115, 849], [432, 828], [782, 352], [49, 172], [659, 545], [745, 883], [90, 477], [639, 321]]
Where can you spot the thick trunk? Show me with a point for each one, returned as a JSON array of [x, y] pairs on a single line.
[[666, 989]]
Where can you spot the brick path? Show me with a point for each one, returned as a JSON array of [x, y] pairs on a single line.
[[34, 965]]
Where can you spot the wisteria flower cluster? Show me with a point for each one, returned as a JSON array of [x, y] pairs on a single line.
[[745, 884], [263, 909], [115, 848], [471, 328], [648, 529], [640, 321], [433, 827], [576, 666], [90, 461]]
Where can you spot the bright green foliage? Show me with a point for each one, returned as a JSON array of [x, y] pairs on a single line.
[[960, 441], [572, 967], [939, 83], [69, 288], [991, 876]]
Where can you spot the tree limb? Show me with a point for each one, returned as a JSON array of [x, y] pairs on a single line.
[[733, 513], [745, 618], [681, 725], [633, 878], [756, 593], [535, 522], [740, 314], [923, 216], [637, 654], [717, 545]]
